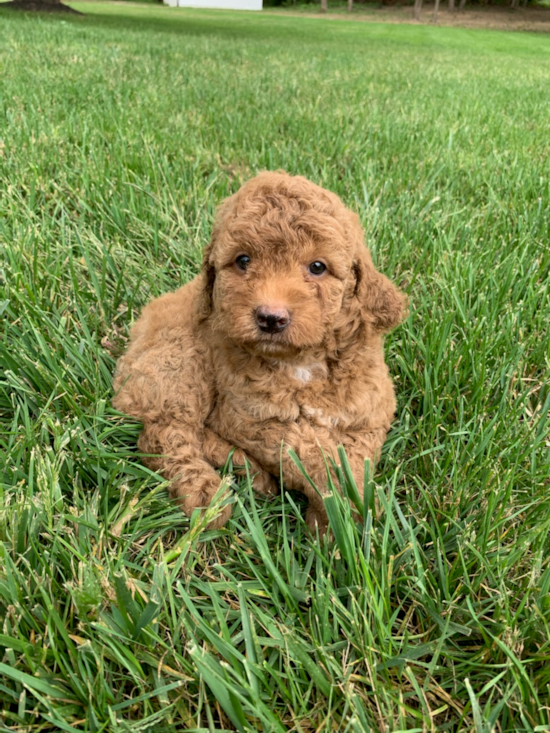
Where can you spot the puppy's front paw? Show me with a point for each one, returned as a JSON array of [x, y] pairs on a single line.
[[264, 483], [316, 519], [221, 520], [198, 493]]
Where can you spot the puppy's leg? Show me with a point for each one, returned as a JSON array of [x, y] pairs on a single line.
[[165, 380], [194, 481], [315, 450], [363, 446], [359, 446], [316, 516], [216, 451]]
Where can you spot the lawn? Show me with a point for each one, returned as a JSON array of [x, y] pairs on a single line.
[[120, 132]]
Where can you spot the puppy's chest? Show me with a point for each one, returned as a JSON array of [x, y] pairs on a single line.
[[289, 394]]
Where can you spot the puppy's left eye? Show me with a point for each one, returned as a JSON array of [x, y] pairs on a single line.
[[317, 268], [242, 262]]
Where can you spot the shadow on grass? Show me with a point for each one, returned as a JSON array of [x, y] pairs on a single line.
[[255, 27], [238, 25]]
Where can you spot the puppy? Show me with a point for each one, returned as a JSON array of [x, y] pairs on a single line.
[[278, 343]]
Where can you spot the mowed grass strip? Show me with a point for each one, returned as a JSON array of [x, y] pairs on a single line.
[[120, 132]]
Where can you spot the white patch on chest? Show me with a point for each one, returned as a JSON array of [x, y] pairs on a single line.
[[304, 374]]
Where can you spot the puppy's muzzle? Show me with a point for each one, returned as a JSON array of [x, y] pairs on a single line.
[[271, 320]]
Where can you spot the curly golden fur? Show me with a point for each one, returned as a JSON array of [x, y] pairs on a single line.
[[277, 343]]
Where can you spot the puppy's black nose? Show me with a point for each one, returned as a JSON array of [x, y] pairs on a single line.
[[272, 320]]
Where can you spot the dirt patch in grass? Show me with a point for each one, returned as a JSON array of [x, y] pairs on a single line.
[[495, 18], [42, 7]]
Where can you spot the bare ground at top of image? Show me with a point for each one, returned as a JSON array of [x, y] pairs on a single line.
[[487, 17]]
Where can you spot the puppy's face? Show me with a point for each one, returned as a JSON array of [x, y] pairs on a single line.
[[287, 267], [279, 296]]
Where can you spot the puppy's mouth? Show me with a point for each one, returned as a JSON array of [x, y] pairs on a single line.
[[276, 339], [272, 343]]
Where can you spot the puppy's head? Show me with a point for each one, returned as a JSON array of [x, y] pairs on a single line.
[[287, 270]]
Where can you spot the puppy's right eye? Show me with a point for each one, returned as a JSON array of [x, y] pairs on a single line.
[[317, 268], [242, 262]]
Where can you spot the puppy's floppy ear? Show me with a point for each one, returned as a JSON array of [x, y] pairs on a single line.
[[208, 273], [381, 303], [208, 276]]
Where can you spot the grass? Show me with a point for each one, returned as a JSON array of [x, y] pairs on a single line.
[[120, 131]]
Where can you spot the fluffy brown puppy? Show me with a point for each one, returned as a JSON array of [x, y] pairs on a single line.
[[277, 343]]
